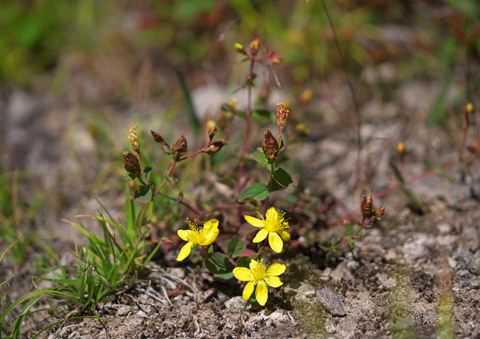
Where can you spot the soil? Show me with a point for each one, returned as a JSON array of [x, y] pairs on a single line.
[[415, 274]]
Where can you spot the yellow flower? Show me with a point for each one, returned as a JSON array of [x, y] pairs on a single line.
[[260, 276], [197, 235], [274, 226]]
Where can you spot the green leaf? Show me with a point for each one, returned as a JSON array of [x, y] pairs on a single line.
[[243, 261], [262, 114], [235, 246], [280, 180], [224, 276], [143, 194], [257, 191], [260, 158]]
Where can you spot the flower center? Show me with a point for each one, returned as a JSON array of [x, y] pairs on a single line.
[[259, 272], [197, 235], [274, 225]]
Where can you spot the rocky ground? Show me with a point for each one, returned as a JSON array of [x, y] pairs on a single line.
[[413, 275]]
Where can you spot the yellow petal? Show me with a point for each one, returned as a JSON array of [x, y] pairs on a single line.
[[276, 269], [210, 236], [284, 235], [248, 290], [253, 265], [273, 281], [210, 224], [255, 222], [183, 234], [261, 235], [261, 294], [275, 242], [243, 274], [185, 251], [272, 214]]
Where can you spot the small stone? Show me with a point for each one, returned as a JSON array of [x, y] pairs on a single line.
[[352, 265], [444, 228], [235, 304], [331, 301], [468, 261], [304, 292], [123, 310]]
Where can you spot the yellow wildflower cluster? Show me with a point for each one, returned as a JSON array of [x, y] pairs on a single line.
[[258, 276]]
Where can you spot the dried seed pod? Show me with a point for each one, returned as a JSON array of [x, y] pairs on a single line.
[[379, 212], [131, 164], [158, 138], [215, 146], [282, 116], [179, 149], [270, 145], [366, 206]]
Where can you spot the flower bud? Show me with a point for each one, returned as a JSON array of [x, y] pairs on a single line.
[[401, 148], [131, 164], [469, 108], [212, 132], [179, 149], [270, 145], [240, 48], [366, 206], [254, 46], [282, 116], [274, 58], [305, 96], [379, 212], [132, 136]]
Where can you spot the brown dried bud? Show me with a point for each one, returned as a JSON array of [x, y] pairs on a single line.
[[254, 46], [131, 164], [379, 212], [366, 206], [158, 138], [270, 145], [215, 146], [179, 149], [212, 132], [282, 116]]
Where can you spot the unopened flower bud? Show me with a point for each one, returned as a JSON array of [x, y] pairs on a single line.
[[214, 147], [379, 212], [366, 206], [469, 108], [282, 116], [212, 132], [132, 136], [401, 148], [254, 46], [274, 58], [131, 164], [305, 96], [270, 145], [240, 48], [179, 149]]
